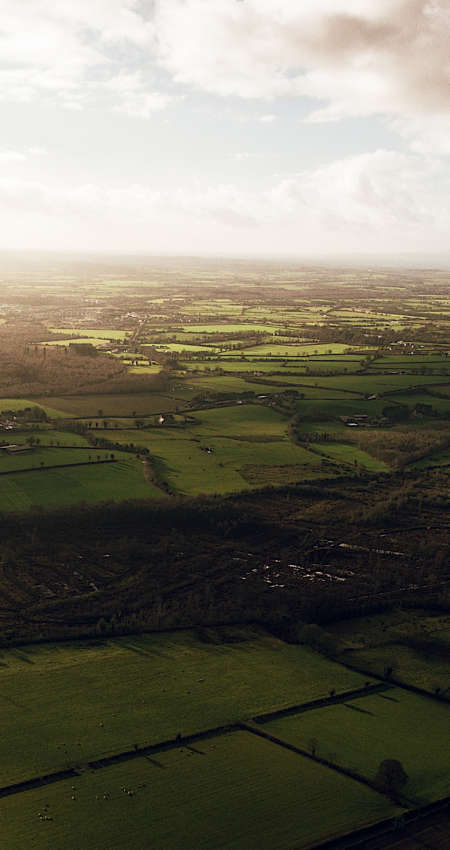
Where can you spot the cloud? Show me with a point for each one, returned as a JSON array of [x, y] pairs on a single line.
[[350, 57], [384, 201], [9, 156], [268, 118], [69, 51], [358, 56]]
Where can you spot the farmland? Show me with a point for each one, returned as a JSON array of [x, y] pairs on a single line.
[[415, 644], [361, 733], [223, 494], [234, 787], [69, 704], [272, 361], [89, 483]]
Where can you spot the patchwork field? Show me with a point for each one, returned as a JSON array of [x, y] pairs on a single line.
[[92, 483], [414, 643], [235, 791], [120, 404], [361, 733], [71, 703], [219, 452]]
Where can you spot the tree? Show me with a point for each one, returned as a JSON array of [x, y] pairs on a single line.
[[391, 775]]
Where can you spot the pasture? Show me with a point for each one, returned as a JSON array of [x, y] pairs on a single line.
[[216, 464], [48, 436], [360, 733], [51, 488], [17, 404], [68, 703], [350, 455], [219, 450], [98, 333], [85, 340], [40, 456], [235, 791], [299, 350], [225, 327], [118, 404], [439, 458], [370, 383]]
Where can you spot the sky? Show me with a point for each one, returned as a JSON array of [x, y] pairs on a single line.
[[230, 127]]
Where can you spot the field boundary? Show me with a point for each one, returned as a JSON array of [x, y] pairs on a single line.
[[59, 466], [398, 799], [344, 696]]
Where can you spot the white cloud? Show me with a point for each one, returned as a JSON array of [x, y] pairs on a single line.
[[11, 156], [383, 201], [430, 137], [355, 57], [268, 118], [358, 56]]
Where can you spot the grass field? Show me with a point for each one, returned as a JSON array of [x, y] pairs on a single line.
[[440, 458], [383, 640], [363, 732], [70, 703], [52, 456], [119, 404], [99, 333], [426, 670], [191, 469], [87, 340], [92, 483], [411, 399], [48, 436], [213, 454], [337, 364], [234, 791], [224, 327], [145, 370], [16, 404], [375, 383], [346, 453], [298, 350], [229, 384]]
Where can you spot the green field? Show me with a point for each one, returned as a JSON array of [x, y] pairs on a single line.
[[191, 469], [295, 366], [99, 333], [181, 346], [47, 436], [296, 350], [145, 370], [92, 483], [234, 791], [70, 703], [119, 404], [52, 456], [346, 453], [88, 340], [238, 327], [375, 383], [361, 733], [16, 404], [214, 454], [229, 384], [442, 405]]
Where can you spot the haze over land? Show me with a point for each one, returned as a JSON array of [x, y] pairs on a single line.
[[290, 128]]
